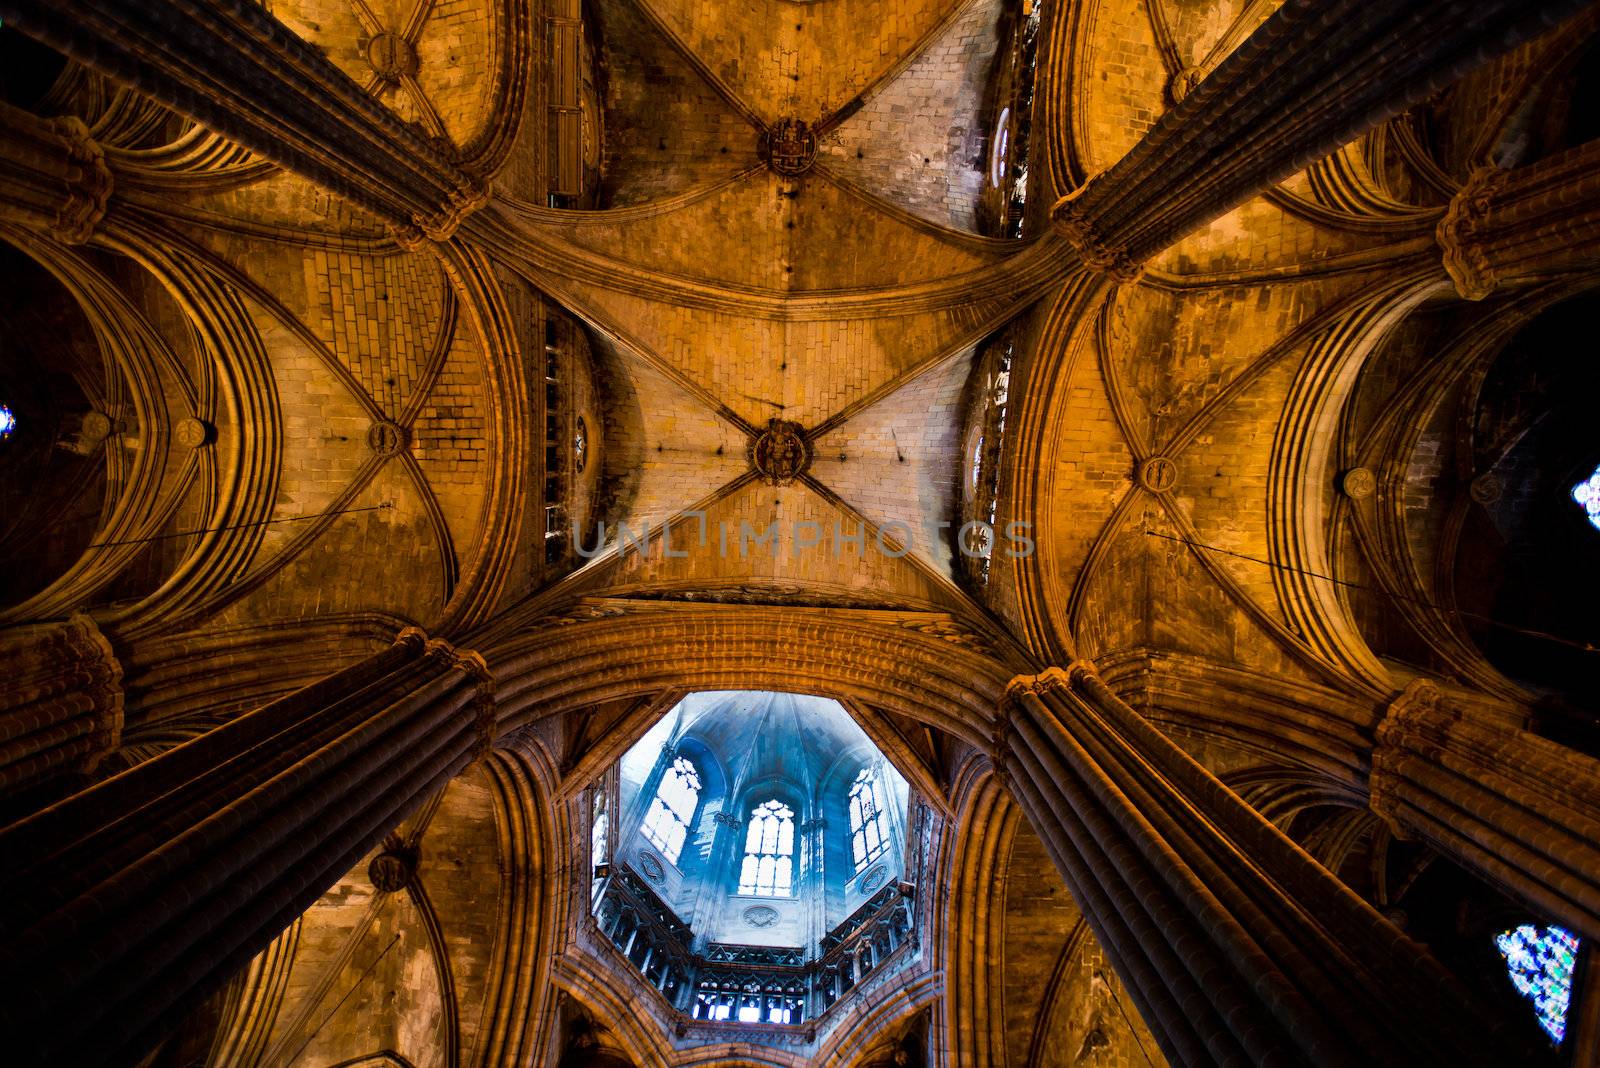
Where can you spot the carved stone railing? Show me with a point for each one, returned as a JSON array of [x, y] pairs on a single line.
[[648, 933], [765, 956], [759, 993], [865, 943]]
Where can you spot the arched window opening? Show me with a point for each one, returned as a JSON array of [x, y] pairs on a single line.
[[1005, 197], [1540, 962], [1587, 494], [869, 837], [1000, 155], [599, 832], [768, 869], [672, 811]]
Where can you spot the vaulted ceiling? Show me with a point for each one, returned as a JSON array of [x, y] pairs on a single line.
[[368, 455]]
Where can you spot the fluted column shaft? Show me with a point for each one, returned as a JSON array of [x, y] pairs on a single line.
[[1239, 948], [55, 177], [61, 704], [130, 901], [1520, 810], [1509, 226], [1312, 76], [233, 67]]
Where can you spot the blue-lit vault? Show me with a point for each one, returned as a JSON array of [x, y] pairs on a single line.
[[751, 860]]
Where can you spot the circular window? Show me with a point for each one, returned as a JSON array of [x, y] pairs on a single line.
[[8, 422], [1002, 147], [580, 445]]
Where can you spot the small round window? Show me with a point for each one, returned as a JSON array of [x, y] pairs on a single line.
[[8, 422], [580, 445]]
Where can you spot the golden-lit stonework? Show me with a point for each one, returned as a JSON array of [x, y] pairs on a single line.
[[1158, 431]]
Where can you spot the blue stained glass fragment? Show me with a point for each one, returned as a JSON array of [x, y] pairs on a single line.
[[1540, 961]]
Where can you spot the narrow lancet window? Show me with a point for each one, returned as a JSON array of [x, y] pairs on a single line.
[[868, 836], [672, 811]]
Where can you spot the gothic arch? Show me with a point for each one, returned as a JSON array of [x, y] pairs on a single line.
[[923, 666]]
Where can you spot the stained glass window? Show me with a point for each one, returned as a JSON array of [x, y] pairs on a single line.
[[768, 869], [8, 422], [667, 823], [1587, 494], [868, 836], [1540, 961]]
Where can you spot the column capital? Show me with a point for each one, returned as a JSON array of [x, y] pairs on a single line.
[[462, 201], [56, 177], [415, 637], [1519, 225], [1078, 228], [1413, 727], [1460, 232], [62, 708], [1050, 680], [475, 665], [1416, 719]]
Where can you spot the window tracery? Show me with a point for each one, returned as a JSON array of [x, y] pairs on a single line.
[[1541, 961], [868, 835], [672, 810], [768, 869]]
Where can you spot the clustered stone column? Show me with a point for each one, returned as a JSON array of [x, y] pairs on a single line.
[[232, 66], [61, 704], [1238, 947], [54, 175], [1509, 226], [1520, 810], [129, 902], [1315, 74]]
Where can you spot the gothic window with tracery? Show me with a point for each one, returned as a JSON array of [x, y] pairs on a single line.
[[672, 811], [768, 869], [868, 835], [1540, 961]]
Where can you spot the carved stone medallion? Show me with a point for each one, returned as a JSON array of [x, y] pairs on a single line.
[[789, 147], [1157, 474], [1358, 483], [1487, 488], [760, 916], [650, 864], [391, 56], [780, 453], [386, 438], [192, 433], [873, 879], [392, 870]]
